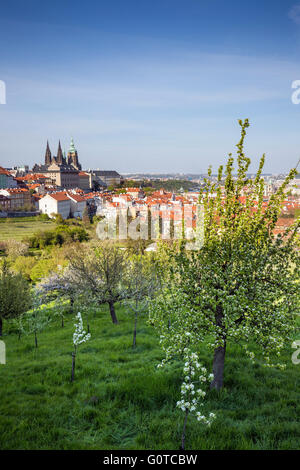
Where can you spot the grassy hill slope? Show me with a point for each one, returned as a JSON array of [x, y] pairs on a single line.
[[20, 227], [120, 400]]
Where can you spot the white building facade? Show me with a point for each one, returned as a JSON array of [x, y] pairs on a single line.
[[55, 203]]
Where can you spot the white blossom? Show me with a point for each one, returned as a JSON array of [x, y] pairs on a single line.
[[80, 335], [191, 394]]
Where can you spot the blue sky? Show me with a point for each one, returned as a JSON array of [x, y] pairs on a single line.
[[154, 86]]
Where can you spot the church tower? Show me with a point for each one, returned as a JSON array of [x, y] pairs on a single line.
[[59, 156], [48, 156], [73, 156]]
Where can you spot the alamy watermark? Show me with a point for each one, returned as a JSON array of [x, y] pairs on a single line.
[[2, 353], [2, 92], [296, 94], [159, 222], [296, 354]]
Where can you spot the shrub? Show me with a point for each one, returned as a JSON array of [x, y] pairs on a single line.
[[43, 217], [58, 236], [14, 248], [24, 266], [14, 294]]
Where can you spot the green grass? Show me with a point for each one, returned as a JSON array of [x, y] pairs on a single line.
[[120, 400], [20, 227]]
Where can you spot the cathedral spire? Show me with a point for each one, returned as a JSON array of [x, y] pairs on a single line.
[[73, 156], [48, 155], [72, 148], [59, 157]]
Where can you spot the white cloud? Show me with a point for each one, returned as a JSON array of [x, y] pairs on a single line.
[[294, 14], [150, 112], [192, 80]]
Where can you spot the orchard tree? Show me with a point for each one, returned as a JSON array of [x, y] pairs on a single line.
[[242, 284], [79, 336], [37, 319], [15, 296], [192, 391], [60, 287], [15, 248], [99, 271], [17, 324]]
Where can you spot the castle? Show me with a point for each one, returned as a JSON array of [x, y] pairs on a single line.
[[65, 171], [61, 170], [61, 159]]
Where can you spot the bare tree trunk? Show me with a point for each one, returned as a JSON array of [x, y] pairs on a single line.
[[134, 331], [62, 322], [35, 339], [218, 367], [183, 431], [73, 366], [219, 353], [113, 313], [1, 324]]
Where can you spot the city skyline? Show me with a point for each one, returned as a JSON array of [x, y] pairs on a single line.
[[150, 89]]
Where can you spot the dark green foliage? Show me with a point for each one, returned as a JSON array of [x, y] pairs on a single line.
[[59, 219], [44, 217], [14, 294], [154, 185], [58, 236]]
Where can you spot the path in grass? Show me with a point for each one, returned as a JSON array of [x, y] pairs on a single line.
[[120, 400]]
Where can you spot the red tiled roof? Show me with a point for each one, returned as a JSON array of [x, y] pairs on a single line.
[[33, 176], [17, 190], [132, 190], [3, 171], [60, 196], [76, 197]]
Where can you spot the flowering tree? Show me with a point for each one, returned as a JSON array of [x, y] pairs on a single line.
[[192, 393], [79, 336], [18, 326], [100, 272], [15, 248], [35, 320], [61, 286], [242, 284]]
